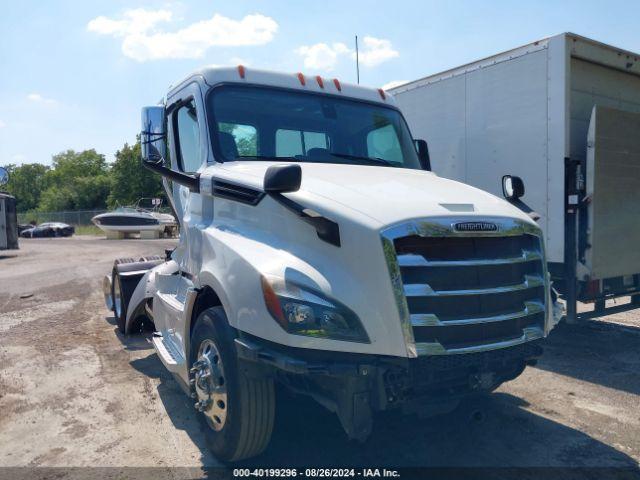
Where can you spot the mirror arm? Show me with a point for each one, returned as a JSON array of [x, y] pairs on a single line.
[[326, 229], [516, 202], [190, 181]]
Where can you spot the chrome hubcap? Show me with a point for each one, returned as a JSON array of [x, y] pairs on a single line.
[[106, 290], [210, 385], [117, 297]]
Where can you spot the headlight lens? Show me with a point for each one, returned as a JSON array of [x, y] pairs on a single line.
[[302, 311]]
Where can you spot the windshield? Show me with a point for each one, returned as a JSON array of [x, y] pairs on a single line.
[[127, 210], [259, 123]]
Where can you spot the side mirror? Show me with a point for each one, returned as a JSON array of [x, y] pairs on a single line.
[[153, 136], [282, 178], [423, 154], [512, 187], [4, 176], [153, 143]]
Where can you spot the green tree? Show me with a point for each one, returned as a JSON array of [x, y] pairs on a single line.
[[83, 181], [56, 198], [76, 181], [26, 183], [130, 181]]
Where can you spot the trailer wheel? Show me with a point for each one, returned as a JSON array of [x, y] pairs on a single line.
[[238, 408], [120, 301], [125, 276], [121, 291]]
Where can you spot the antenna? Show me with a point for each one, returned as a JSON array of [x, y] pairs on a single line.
[[357, 62]]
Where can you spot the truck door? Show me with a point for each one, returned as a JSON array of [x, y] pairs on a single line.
[[613, 187], [188, 151]]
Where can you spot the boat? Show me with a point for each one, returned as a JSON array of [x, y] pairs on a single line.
[[135, 219]]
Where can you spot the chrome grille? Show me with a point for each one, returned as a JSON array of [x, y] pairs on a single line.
[[463, 292]]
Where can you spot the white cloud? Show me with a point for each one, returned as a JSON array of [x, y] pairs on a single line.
[[134, 21], [375, 51], [393, 84], [322, 56], [2, 124], [37, 98], [142, 40]]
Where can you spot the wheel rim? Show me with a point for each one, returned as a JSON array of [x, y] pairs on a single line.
[[108, 293], [117, 297], [211, 385]]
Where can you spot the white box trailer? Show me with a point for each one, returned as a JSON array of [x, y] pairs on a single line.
[[8, 222], [562, 113], [8, 217]]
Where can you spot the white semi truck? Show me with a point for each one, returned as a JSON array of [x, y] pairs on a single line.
[[317, 250], [563, 113]]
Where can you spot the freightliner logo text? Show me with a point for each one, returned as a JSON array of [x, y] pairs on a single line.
[[476, 227]]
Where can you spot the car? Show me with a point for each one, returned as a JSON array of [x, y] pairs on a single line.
[[49, 229], [24, 226]]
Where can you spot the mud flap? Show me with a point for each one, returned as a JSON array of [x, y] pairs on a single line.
[[354, 410]]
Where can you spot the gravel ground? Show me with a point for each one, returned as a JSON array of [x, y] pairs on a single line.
[[74, 392]]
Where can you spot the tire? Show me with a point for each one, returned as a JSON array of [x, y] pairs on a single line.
[[126, 286], [134, 270], [249, 410], [119, 309]]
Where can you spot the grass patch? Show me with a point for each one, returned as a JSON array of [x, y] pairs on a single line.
[[88, 230]]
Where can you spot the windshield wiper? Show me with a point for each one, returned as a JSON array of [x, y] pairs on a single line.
[[362, 160], [371, 160], [268, 158]]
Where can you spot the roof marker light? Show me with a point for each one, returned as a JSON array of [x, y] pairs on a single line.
[[336, 82], [241, 70], [319, 80], [301, 78], [382, 95]]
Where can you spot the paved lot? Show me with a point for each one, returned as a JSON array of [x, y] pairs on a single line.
[[73, 392]]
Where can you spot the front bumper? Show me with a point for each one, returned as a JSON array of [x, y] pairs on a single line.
[[356, 385]]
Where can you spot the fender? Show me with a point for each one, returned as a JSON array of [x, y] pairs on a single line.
[[241, 261], [205, 279], [145, 290]]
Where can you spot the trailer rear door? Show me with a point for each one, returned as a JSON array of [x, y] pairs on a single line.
[[613, 184], [3, 225]]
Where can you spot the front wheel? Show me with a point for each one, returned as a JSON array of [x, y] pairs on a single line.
[[238, 407]]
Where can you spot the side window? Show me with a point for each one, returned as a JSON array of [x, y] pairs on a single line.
[[237, 140], [290, 143], [383, 143], [188, 137]]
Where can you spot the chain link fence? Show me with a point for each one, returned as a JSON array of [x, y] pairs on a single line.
[[78, 218], [75, 217]]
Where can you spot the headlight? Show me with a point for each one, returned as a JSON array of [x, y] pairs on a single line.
[[303, 311]]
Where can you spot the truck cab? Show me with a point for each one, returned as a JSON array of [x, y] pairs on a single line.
[[318, 252]]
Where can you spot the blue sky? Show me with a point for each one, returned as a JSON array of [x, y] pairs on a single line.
[[74, 74]]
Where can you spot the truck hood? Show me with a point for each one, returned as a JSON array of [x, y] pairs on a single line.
[[384, 194]]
